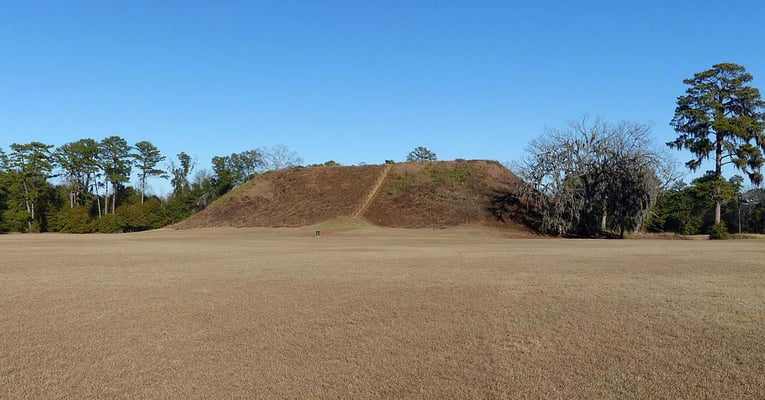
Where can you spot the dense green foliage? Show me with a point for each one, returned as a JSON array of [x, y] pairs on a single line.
[[687, 209], [84, 186], [718, 231], [720, 116]]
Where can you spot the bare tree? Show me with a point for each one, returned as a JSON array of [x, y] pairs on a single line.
[[593, 176], [279, 157]]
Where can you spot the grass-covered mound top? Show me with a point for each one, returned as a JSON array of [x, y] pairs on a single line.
[[439, 194], [407, 195]]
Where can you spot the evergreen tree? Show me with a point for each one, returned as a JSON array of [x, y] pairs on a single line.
[[31, 166], [4, 185], [3, 160], [146, 157], [421, 154], [116, 164], [721, 116], [78, 162], [180, 179]]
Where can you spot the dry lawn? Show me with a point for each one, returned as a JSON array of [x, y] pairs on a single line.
[[375, 313]]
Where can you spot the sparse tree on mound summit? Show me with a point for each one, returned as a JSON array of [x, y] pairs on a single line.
[[421, 154], [278, 157], [721, 115]]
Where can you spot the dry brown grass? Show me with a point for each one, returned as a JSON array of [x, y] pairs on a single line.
[[447, 194], [374, 313], [290, 197], [413, 195]]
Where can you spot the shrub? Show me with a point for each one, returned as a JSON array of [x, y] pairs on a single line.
[[397, 183], [14, 221], [441, 174], [72, 220], [35, 227], [141, 217], [718, 231], [110, 223]]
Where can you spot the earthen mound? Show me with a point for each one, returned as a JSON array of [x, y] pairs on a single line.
[[404, 195]]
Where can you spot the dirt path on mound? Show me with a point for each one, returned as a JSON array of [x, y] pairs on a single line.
[[373, 192]]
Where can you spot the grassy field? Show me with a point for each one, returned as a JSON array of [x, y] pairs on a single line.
[[376, 313]]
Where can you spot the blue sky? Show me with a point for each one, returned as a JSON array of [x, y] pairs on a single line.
[[355, 81]]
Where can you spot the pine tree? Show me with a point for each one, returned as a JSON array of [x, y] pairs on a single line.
[[146, 157], [721, 116]]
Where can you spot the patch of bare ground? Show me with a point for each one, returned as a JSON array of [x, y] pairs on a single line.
[[378, 313]]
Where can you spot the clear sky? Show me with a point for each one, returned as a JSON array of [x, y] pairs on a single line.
[[355, 81]]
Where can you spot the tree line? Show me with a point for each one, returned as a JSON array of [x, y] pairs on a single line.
[[94, 192], [689, 209]]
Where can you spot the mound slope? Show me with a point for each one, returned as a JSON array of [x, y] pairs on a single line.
[[405, 195]]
